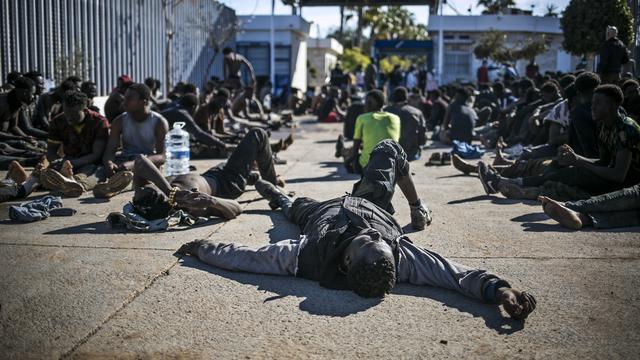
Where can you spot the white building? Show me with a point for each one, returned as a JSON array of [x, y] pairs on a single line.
[[291, 33], [323, 55], [462, 33]]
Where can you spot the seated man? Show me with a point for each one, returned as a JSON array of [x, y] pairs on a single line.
[[114, 106], [141, 132], [204, 193], [183, 112], [243, 104], [28, 110], [349, 243], [82, 135], [14, 143], [612, 210], [371, 127], [460, 119], [354, 110], [618, 165], [329, 109], [413, 126], [49, 105]]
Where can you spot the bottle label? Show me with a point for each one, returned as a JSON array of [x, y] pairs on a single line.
[[179, 154]]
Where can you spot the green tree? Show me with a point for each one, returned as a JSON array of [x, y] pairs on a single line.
[[495, 6], [387, 64], [491, 43], [532, 48], [352, 57], [584, 24], [394, 23]]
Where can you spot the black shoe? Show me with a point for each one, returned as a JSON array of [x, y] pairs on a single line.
[[253, 177], [488, 178], [339, 146], [271, 193]]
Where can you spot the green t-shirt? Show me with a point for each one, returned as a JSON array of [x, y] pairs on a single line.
[[373, 127]]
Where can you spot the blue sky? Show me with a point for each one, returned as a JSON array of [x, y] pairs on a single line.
[[325, 18]]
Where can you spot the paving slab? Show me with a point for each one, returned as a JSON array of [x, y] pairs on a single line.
[[53, 296]]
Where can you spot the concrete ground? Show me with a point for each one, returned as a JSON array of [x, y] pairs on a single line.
[[72, 287]]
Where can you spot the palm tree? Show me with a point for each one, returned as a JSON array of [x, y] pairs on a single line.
[[552, 10], [495, 6]]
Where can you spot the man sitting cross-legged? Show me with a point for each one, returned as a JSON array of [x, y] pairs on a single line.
[[349, 243], [82, 135], [204, 195]]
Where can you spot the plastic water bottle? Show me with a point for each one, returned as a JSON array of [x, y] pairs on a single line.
[[176, 144]]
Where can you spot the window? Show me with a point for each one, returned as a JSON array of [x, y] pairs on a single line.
[[457, 65]]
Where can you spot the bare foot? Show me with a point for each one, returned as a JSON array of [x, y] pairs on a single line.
[[288, 141], [201, 204], [17, 173], [280, 181], [566, 217], [518, 304], [67, 169]]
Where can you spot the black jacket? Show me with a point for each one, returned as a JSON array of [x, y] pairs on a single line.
[[613, 55], [330, 230]]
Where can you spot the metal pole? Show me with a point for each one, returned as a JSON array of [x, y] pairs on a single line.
[[272, 52], [440, 44]]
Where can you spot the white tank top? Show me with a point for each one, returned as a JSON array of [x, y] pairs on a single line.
[[139, 137]]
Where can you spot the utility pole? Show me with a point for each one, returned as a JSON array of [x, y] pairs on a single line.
[[272, 39], [440, 42]]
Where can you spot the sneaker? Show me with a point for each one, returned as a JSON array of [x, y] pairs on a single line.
[[446, 158], [271, 192], [435, 159], [114, 185], [488, 178], [56, 182], [420, 217], [462, 165], [339, 146]]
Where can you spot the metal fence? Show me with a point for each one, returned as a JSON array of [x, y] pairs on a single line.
[[101, 39]]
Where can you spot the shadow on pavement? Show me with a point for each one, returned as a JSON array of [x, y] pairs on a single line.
[[542, 227], [316, 300], [491, 314], [103, 227], [533, 217], [337, 303], [327, 141], [339, 174], [282, 228], [494, 200]]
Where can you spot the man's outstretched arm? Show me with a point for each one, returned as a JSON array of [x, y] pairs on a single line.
[[280, 258]]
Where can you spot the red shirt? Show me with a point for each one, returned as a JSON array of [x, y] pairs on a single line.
[[78, 140]]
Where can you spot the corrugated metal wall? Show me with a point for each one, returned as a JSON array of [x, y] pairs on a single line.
[[102, 39]]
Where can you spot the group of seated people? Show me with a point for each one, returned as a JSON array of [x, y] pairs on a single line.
[[557, 137], [350, 242], [569, 138], [74, 149]]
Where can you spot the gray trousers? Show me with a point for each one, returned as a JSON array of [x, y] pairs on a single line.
[[415, 266], [611, 210]]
